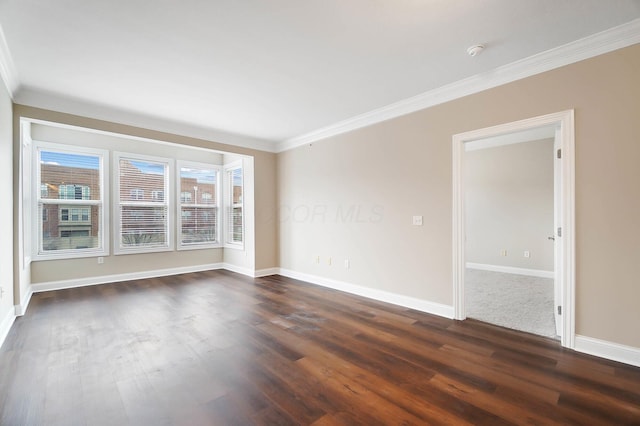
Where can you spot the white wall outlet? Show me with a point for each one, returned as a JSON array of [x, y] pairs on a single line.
[[317, 259], [329, 261], [347, 264], [417, 220], [527, 254], [503, 252], [100, 260]]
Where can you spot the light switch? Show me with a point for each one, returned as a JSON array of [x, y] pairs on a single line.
[[417, 220]]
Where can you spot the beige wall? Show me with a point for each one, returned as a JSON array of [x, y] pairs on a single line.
[[265, 226], [509, 205], [402, 167], [6, 214]]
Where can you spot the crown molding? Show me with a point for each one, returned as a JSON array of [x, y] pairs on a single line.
[[7, 68], [606, 41]]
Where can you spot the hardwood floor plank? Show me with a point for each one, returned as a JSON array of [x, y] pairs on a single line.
[[220, 348]]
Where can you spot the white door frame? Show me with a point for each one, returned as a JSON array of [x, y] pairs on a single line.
[[565, 242]]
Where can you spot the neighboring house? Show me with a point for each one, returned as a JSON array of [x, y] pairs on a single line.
[[68, 225]]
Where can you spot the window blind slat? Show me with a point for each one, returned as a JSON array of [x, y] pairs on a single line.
[[235, 225], [143, 203]]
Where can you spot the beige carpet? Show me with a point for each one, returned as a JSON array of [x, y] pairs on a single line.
[[514, 301]]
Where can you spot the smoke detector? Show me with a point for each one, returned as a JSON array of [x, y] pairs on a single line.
[[475, 50]]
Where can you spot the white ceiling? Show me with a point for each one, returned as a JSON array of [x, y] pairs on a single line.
[[271, 71]]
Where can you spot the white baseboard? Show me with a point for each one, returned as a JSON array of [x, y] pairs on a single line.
[[238, 269], [249, 272], [104, 279], [5, 325], [266, 272], [21, 309], [380, 295], [511, 270], [608, 350]]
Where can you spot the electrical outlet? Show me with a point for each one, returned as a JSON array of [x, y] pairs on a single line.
[[329, 261], [527, 254], [100, 260], [347, 264], [317, 259], [503, 252], [417, 220]]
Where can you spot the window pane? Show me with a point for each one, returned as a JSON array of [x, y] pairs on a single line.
[[198, 225], [65, 228], [143, 207], [73, 176], [236, 225], [185, 197], [143, 226], [198, 211], [197, 185], [140, 179], [235, 228], [69, 176], [236, 182]]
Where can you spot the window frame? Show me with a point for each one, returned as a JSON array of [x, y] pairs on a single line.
[[118, 249], [216, 205], [229, 205], [38, 203]]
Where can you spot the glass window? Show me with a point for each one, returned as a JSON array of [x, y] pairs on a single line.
[[143, 223], [198, 209], [234, 205], [70, 201]]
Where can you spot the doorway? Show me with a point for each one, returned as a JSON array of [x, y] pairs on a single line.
[[560, 128], [509, 223]]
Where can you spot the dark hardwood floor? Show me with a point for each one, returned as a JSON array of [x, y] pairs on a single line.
[[217, 348]]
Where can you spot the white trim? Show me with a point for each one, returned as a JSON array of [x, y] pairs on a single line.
[[5, 325], [266, 272], [370, 293], [21, 309], [609, 350], [565, 121], [239, 269], [512, 270], [597, 44], [8, 72], [106, 279]]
